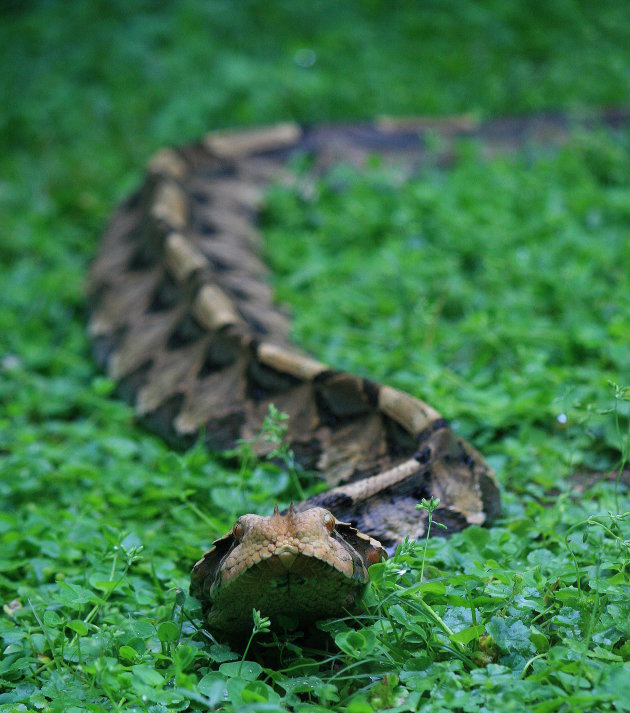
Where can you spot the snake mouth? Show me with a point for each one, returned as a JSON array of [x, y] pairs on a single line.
[[287, 556]]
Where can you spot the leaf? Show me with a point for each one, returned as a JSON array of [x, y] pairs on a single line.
[[143, 629], [221, 653], [603, 654], [510, 635], [359, 705], [127, 653], [249, 670], [263, 692], [433, 587], [617, 685], [147, 674], [104, 585], [137, 644], [74, 596], [467, 635], [168, 631], [357, 644], [78, 626], [214, 686], [51, 618], [252, 696], [540, 641], [39, 701], [185, 655]]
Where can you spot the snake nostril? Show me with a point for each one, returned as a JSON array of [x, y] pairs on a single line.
[[287, 558]]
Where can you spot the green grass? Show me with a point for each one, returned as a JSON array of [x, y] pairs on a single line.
[[497, 291]]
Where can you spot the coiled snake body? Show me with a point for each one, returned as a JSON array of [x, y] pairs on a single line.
[[182, 318]]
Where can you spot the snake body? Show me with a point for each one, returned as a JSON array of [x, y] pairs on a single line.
[[183, 319]]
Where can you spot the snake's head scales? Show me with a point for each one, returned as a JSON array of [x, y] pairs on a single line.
[[306, 565]]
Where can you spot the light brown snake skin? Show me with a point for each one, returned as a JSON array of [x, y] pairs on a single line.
[[305, 564], [183, 319]]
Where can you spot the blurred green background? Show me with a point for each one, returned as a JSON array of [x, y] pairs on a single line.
[[90, 89], [106, 82]]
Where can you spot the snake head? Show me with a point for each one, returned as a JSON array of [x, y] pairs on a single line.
[[303, 564]]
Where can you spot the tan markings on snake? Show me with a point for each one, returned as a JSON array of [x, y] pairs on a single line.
[[183, 318]]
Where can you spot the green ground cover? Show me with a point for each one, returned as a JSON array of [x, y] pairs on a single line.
[[498, 291]]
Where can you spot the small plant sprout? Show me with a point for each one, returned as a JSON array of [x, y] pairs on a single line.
[[273, 431], [622, 393], [262, 625], [429, 506]]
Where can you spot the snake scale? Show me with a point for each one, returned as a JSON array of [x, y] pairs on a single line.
[[182, 318]]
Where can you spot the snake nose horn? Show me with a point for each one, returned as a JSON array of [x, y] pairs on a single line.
[[291, 509], [275, 509]]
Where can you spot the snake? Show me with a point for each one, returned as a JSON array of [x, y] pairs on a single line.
[[183, 319]]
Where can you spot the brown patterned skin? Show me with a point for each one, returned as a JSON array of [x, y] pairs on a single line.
[[183, 319], [305, 565]]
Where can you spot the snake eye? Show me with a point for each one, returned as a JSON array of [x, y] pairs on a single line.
[[237, 531], [329, 522]]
